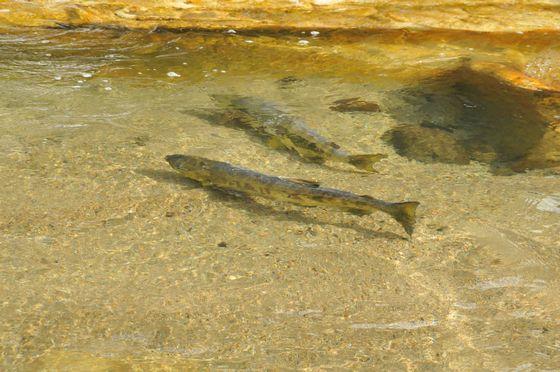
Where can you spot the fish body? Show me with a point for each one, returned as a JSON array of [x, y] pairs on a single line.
[[281, 129], [211, 173]]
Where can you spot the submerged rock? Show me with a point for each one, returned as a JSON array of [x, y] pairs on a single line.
[[490, 115], [354, 105], [427, 144], [549, 204], [289, 81]]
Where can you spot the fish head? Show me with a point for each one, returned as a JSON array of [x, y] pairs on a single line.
[[225, 100], [185, 163]]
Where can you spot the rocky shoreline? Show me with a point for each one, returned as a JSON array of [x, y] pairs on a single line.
[[471, 15]]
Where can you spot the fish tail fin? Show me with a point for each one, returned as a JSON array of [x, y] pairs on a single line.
[[405, 214], [365, 161]]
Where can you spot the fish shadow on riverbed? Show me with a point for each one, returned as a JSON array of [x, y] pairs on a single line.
[[169, 177], [254, 207]]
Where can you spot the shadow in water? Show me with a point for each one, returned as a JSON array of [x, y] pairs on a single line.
[[465, 115], [259, 209], [169, 177]]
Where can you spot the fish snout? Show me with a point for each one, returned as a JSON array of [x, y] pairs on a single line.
[[175, 160], [223, 99]]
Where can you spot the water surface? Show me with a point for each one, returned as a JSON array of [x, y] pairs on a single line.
[[111, 260]]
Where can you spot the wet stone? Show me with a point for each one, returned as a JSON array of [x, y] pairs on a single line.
[[427, 144], [464, 115], [549, 204], [289, 81], [354, 105], [141, 140]]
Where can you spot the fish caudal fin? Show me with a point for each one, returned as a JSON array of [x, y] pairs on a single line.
[[405, 213], [365, 161]]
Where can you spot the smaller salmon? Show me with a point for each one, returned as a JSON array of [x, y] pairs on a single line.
[[211, 173], [282, 130]]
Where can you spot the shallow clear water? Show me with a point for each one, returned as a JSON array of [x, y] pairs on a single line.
[[111, 260]]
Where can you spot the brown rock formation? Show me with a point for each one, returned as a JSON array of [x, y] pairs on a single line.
[[474, 15]]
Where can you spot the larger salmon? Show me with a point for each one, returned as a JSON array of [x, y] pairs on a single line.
[[211, 173]]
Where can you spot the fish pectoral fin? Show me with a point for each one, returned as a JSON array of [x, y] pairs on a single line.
[[365, 161], [311, 159], [274, 143], [305, 182], [358, 212], [237, 194]]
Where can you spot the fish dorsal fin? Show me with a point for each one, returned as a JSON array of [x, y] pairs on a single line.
[[305, 182], [367, 197]]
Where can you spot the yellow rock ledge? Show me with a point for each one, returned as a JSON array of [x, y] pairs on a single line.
[[472, 15]]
